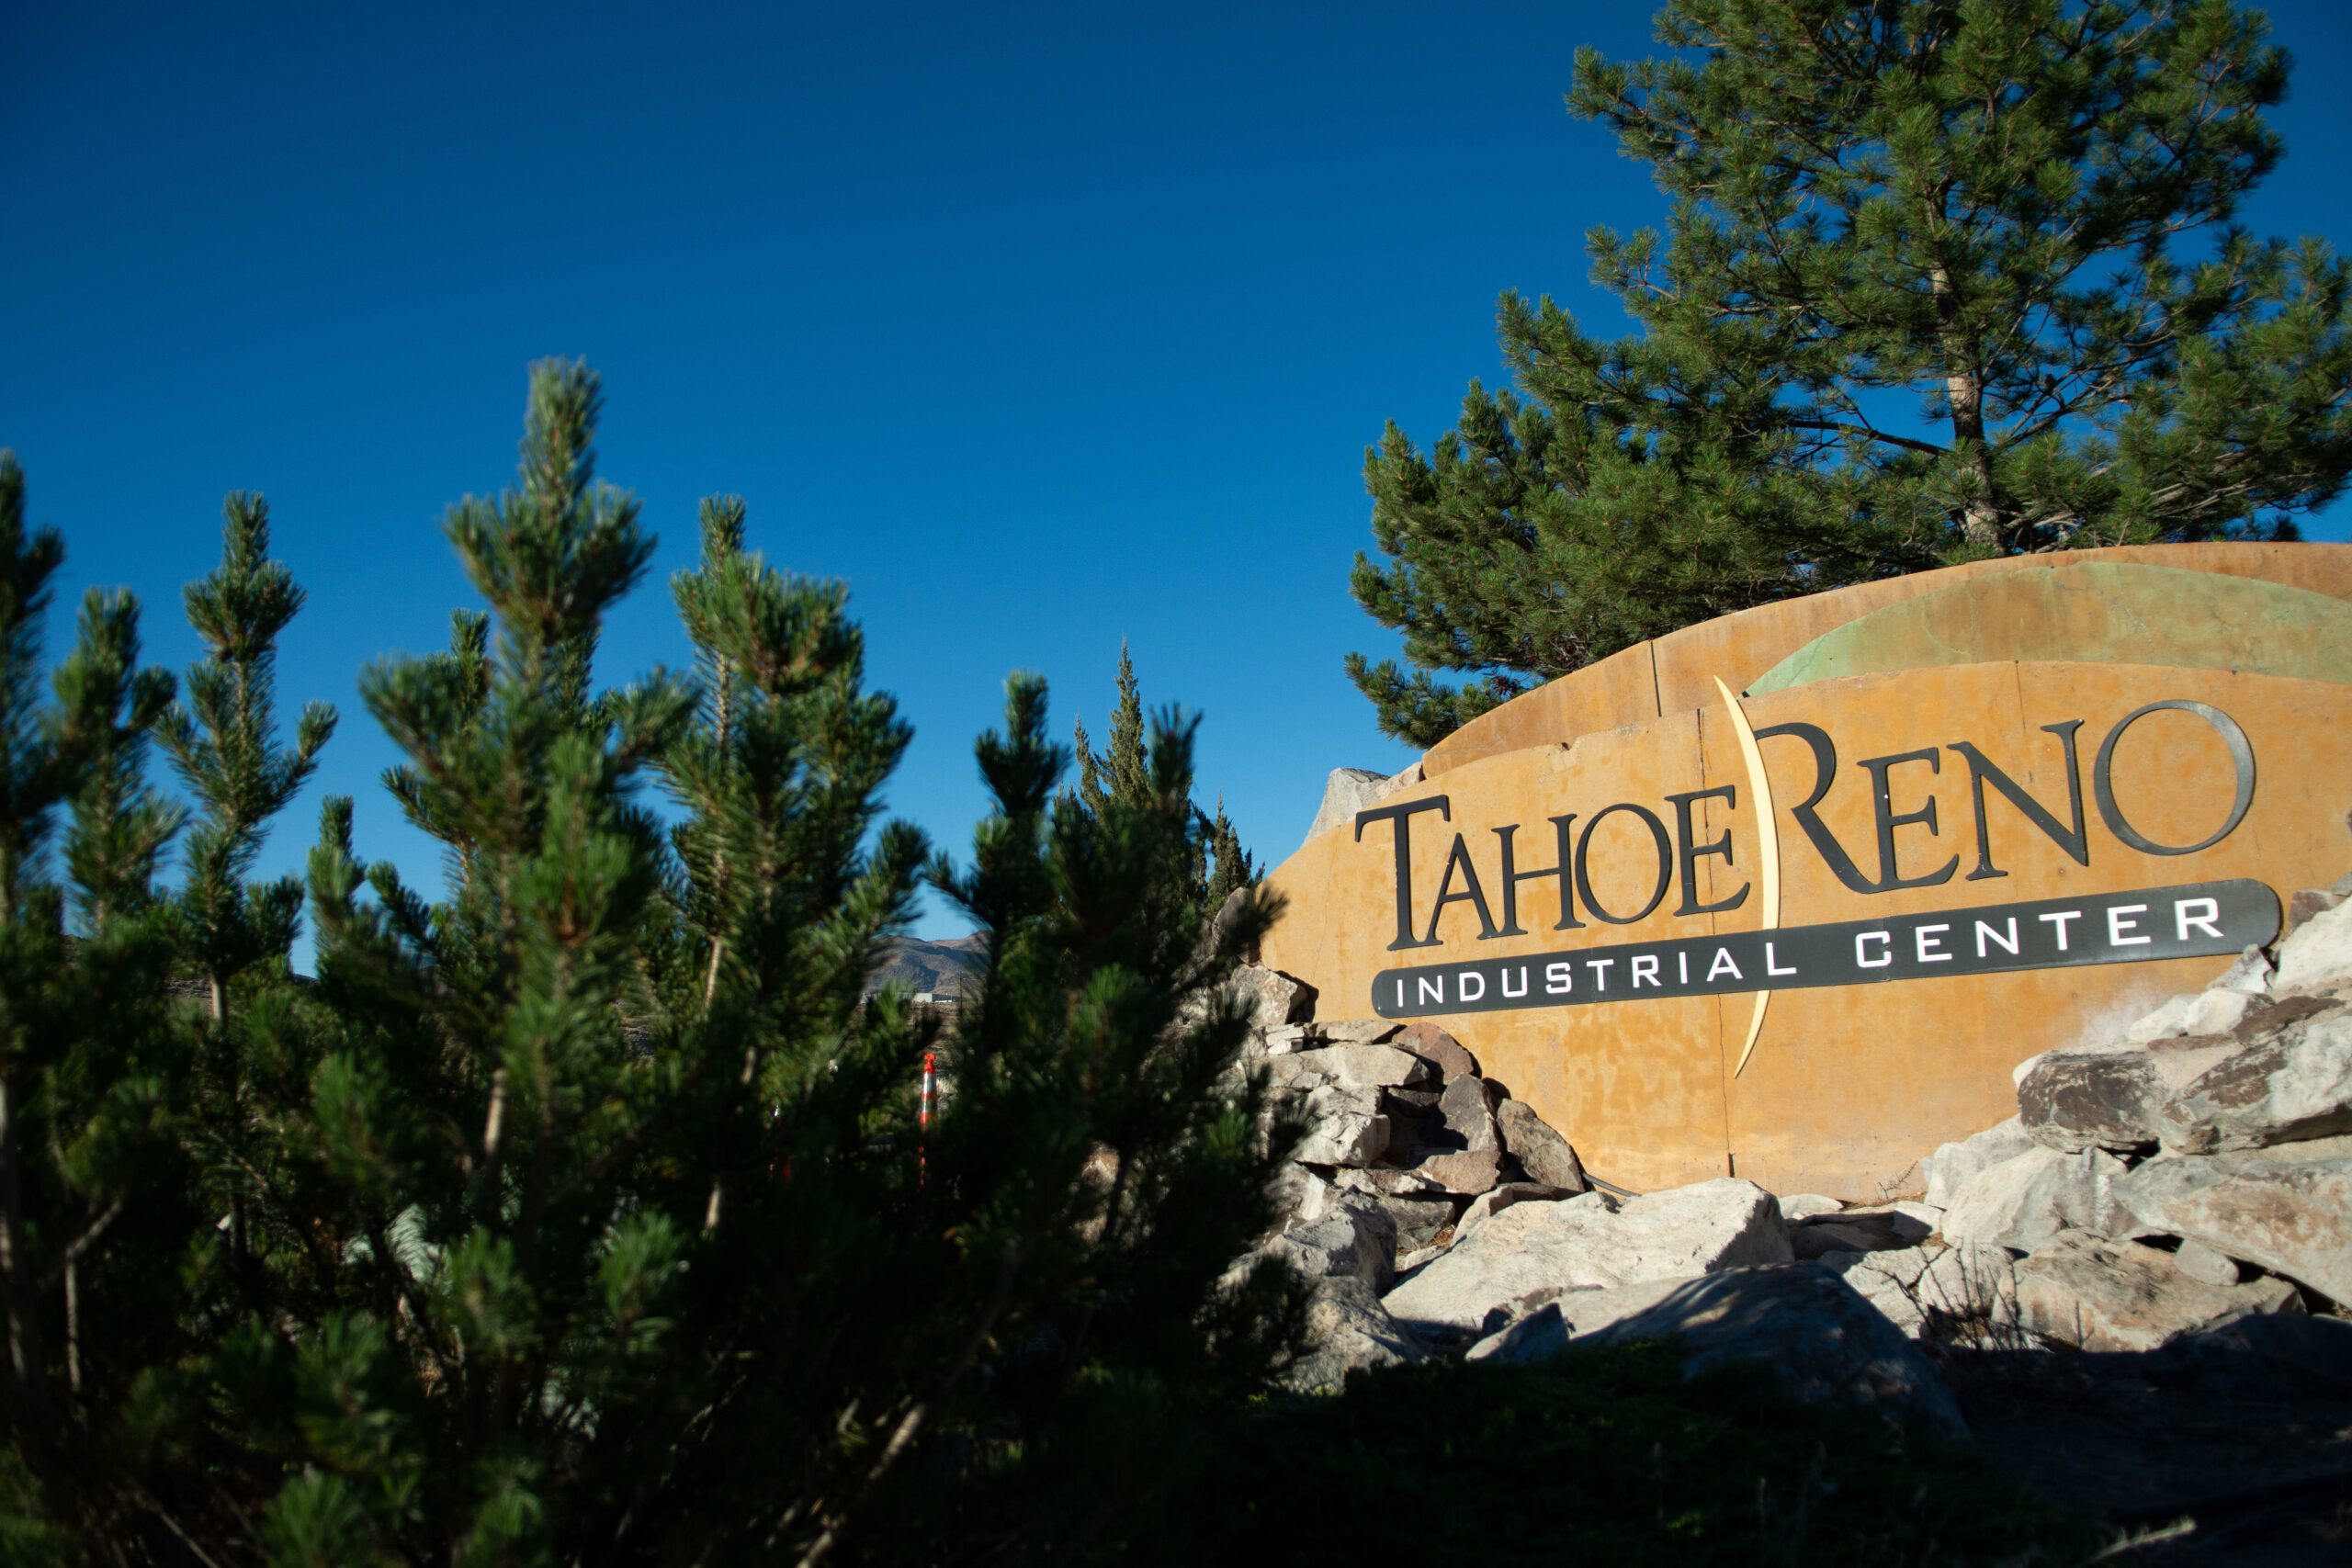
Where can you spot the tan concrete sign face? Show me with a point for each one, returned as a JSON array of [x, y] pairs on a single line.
[[1804, 935]]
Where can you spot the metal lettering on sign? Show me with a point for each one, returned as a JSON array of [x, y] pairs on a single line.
[[2197, 919]]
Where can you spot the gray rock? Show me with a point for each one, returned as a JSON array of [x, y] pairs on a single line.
[[2199, 1262], [1806, 1205], [1970, 1286], [1273, 998], [2024, 1202], [1284, 1039], [1822, 1341], [1466, 1116], [1540, 1334], [2287, 1209], [1344, 1138], [1495, 1200], [1593, 1240], [1344, 1125], [1469, 1171], [1347, 1329], [2250, 973], [2319, 954], [1933, 1294], [1350, 789], [1443, 1052], [1382, 1065], [1347, 1240], [1888, 1281], [1950, 1166], [1299, 1194], [1539, 1148], [2095, 1294], [2290, 1085]]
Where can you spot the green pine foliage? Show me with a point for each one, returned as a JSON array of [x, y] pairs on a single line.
[[1123, 776], [1937, 281], [583, 1212]]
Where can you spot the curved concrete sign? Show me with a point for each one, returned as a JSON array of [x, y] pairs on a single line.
[[1802, 928]]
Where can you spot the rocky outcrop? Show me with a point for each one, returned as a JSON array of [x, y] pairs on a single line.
[[2171, 1187], [2095, 1294], [2288, 1211], [1535, 1252], [2025, 1201], [1350, 790], [1822, 1340], [1349, 1330], [1540, 1151]]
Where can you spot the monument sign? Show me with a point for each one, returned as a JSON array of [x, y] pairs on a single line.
[[1788, 895]]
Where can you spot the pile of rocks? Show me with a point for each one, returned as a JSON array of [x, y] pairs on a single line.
[[1437, 1216], [2193, 1173], [2195, 1170]]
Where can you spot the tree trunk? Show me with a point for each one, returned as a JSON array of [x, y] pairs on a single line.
[[24, 1330], [1980, 522]]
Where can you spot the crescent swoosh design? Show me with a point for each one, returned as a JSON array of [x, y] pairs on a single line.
[[1768, 840]]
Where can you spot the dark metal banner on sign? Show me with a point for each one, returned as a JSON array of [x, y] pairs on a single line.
[[2197, 919]]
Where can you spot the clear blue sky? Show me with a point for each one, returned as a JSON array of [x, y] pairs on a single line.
[[1041, 325]]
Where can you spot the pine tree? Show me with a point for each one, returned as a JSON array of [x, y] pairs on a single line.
[[1938, 281], [1122, 774], [225, 747], [1124, 777], [583, 1212]]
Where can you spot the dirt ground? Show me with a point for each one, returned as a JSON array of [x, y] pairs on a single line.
[[2251, 1445]]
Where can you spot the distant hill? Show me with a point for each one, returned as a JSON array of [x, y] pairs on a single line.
[[942, 968]]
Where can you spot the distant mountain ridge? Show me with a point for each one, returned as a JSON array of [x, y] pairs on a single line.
[[942, 968]]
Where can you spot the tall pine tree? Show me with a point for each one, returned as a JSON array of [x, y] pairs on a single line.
[[1940, 279]]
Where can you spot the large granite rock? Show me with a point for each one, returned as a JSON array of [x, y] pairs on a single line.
[[2073, 1101], [1533, 1251], [2287, 1209], [2025, 1201], [2318, 953], [1350, 789], [1348, 1328], [1539, 1148], [1467, 1171], [1273, 997], [1379, 1065], [1822, 1340], [2293, 1082], [1948, 1168], [1946, 1293], [2095, 1294]]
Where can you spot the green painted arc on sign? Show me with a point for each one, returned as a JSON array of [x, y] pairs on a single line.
[[2091, 613]]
